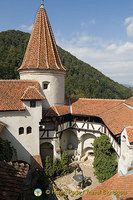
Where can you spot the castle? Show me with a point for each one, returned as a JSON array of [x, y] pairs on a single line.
[[37, 119]]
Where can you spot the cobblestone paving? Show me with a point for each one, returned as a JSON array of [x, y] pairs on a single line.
[[67, 184]]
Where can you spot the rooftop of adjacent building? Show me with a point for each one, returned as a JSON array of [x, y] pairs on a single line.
[[12, 177], [117, 187], [12, 92], [114, 112]]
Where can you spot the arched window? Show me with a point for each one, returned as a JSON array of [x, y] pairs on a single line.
[[21, 130], [29, 130], [45, 85]]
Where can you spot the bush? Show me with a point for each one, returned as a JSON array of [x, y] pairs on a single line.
[[57, 168], [49, 170], [65, 163], [105, 164], [6, 151], [43, 182]]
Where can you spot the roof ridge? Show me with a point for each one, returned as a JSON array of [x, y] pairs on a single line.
[[17, 80], [56, 109], [128, 127], [110, 109], [103, 99], [31, 87]]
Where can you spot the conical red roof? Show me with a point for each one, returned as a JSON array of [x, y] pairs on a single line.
[[41, 52]]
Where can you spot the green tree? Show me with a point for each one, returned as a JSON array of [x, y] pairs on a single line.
[[6, 150], [49, 170], [82, 80], [105, 163], [57, 168], [65, 163]]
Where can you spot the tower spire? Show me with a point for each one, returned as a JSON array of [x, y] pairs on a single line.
[[42, 4], [42, 52]]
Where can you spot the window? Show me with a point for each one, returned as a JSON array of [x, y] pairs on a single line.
[[45, 85], [21, 130], [33, 104], [29, 130]]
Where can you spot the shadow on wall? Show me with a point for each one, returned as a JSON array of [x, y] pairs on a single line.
[[22, 154], [46, 149], [35, 167], [69, 140]]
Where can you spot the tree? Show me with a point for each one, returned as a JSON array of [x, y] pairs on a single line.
[[57, 168], [105, 163], [49, 167], [82, 80], [65, 163], [6, 150]]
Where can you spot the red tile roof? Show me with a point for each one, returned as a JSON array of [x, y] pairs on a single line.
[[83, 106], [130, 134], [11, 92], [93, 107], [32, 93], [129, 101], [12, 177], [41, 51], [118, 118], [122, 186], [115, 113], [57, 110]]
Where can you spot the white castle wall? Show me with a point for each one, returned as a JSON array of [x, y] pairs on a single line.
[[55, 93], [126, 157], [25, 144]]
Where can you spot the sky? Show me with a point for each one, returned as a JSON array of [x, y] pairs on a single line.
[[99, 32]]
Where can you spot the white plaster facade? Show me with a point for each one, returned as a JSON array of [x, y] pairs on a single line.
[[55, 93], [126, 157], [25, 144]]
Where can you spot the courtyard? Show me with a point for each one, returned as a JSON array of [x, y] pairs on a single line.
[[69, 187]]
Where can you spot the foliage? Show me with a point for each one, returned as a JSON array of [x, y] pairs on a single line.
[[65, 163], [57, 168], [42, 182], [105, 163], [6, 151], [49, 170], [82, 80]]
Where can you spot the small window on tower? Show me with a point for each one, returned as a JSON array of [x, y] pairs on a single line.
[[45, 85], [33, 104]]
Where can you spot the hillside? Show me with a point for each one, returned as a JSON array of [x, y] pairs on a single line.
[[82, 80]]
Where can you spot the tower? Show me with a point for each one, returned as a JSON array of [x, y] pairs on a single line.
[[42, 62]]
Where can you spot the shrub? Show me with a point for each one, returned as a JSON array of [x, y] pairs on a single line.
[[43, 180], [6, 150], [65, 163], [105, 164], [49, 170], [57, 168]]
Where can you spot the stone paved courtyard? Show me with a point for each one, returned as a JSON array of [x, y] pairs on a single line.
[[68, 186]]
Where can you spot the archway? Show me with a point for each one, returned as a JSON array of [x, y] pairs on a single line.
[[87, 145], [46, 149], [88, 151], [69, 142]]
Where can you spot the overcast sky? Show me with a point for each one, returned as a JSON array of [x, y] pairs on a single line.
[[99, 32]]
